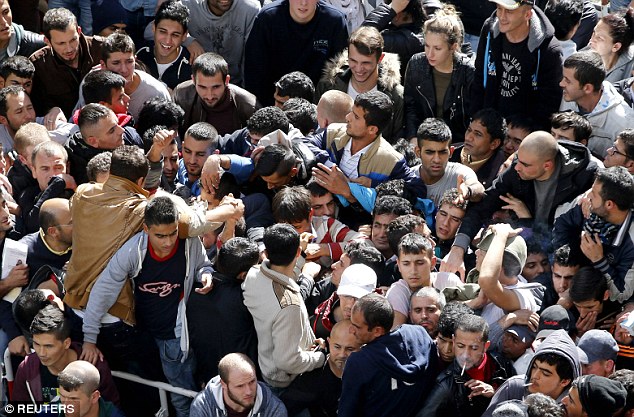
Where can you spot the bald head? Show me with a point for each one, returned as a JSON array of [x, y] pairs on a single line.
[[52, 211], [79, 375], [234, 362], [333, 107], [541, 144]]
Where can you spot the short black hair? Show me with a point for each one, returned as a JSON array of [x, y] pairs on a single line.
[[129, 162], [209, 64], [450, 315], [203, 132], [173, 10], [377, 311], [564, 16], [267, 120], [406, 148], [433, 129], [237, 255], [98, 86], [26, 307], [296, 84], [400, 227], [377, 107], [390, 204], [414, 243], [281, 241], [566, 120], [589, 68], [471, 323], [159, 211], [315, 189], [91, 114], [302, 114], [276, 159], [521, 121], [18, 65], [588, 284], [159, 111], [57, 19], [617, 185], [493, 121], [396, 188], [51, 319], [11, 90], [368, 256], [561, 363], [291, 205], [566, 256]]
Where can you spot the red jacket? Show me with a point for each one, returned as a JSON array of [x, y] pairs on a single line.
[[27, 385]]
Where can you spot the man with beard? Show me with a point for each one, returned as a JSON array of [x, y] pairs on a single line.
[[236, 391], [359, 155], [200, 141], [319, 390], [61, 65], [425, 307], [209, 97], [604, 238]]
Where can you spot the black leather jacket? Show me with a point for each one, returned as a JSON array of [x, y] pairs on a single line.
[[449, 397], [420, 95]]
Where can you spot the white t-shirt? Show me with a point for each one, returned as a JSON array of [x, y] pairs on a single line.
[[492, 313], [399, 294]]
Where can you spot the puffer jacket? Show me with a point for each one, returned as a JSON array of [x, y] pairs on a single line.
[[558, 343], [420, 95], [337, 75], [449, 397]]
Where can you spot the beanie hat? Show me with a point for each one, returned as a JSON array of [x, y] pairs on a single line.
[[600, 396]]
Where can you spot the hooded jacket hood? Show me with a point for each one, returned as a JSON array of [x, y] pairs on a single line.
[[559, 343], [540, 29], [406, 354], [389, 70]]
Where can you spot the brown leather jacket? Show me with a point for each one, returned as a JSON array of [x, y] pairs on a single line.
[[105, 216], [57, 84]]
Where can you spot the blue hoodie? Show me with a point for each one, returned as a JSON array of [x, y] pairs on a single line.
[[387, 376]]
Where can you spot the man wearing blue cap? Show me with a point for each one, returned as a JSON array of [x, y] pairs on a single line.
[[601, 351]]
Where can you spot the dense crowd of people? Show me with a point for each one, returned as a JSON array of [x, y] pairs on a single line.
[[314, 208]]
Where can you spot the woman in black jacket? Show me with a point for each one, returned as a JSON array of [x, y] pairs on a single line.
[[437, 81]]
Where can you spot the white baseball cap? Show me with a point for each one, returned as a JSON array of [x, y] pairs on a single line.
[[356, 281]]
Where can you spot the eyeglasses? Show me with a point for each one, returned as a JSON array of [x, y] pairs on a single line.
[[612, 150]]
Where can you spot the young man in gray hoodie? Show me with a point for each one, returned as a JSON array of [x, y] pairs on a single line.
[[551, 372]]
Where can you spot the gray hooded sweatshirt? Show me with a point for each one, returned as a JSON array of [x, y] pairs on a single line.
[[515, 387]]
